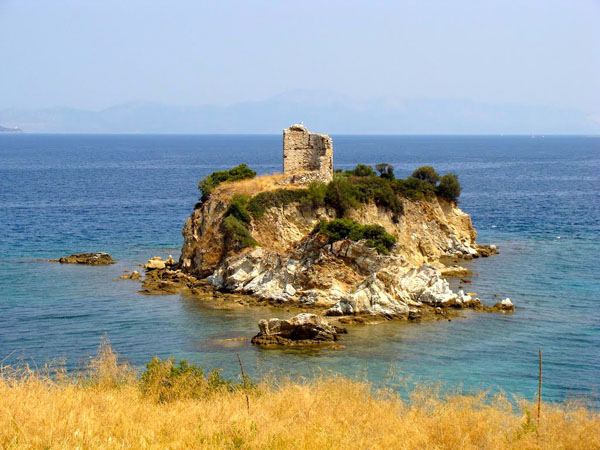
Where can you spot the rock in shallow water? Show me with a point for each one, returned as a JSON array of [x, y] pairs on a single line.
[[505, 305], [303, 329], [135, 275], [92, 259]]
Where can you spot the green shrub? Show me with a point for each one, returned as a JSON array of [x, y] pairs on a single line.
[[237, 233], [258, 204], [342, 195], [237, 208], [385, 171], [207, 184], [362, 170], [166, 380], [414, 189], [339, 229], [381, 192], [316, 193], [449, 187], [426, 173]]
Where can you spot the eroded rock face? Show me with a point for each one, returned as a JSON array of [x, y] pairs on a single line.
[[394, 291], [303, 329], [313, 273], [92, 259]]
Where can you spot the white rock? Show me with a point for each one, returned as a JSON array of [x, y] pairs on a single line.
[[155, 262], [290, 290]]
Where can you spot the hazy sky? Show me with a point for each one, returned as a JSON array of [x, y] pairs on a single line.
[[94, 54]]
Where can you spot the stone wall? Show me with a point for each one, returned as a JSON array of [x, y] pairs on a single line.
[[307, 156]]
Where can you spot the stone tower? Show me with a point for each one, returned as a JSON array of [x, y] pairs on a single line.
[[307, 156]]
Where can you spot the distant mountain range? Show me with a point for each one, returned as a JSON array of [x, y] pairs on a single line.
[[321, 111]]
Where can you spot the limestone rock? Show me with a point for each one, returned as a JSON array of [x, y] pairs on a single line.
[[393, 290], [303, 329], [154, 263], [92, 259]]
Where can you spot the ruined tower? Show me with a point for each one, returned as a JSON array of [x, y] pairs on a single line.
[[307, 156]]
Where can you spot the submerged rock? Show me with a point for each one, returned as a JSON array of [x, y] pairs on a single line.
[[92, 259], [303, 329], [135, 275]]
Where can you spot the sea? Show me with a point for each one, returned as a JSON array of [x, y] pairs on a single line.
[[535, 197]]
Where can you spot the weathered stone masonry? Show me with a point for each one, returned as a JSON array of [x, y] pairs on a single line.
[[307, 156]]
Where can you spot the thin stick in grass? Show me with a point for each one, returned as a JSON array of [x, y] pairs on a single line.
[[244, 381]]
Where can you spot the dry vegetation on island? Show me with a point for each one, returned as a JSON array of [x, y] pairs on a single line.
[[176, 406]]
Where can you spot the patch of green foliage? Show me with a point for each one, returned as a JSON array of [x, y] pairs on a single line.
[[426, 173], [166, 380], [342, 195], [381, 191], [237, 208], [339, 229], [237, 232], [316, 193], [385, 171], [449, 188], [258, 204], [207, 184], [414, 189], [362, 170]]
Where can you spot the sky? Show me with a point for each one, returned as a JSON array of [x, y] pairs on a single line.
[[94, 54]]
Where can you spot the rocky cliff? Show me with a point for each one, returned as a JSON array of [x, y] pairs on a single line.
[[292, 265]]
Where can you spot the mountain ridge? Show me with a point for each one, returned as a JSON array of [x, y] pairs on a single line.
[[327, 110]]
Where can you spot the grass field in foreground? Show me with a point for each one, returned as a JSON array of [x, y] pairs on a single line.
[[173, 406]]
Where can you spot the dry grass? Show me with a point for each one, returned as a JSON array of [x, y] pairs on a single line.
[[253, 186], [108, 410]]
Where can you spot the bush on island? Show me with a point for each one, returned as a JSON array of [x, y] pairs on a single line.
[[339, 229], [414, 189], [385, 171], [341, 195], [362, 170], [237, 233], [426, 173], [258, 204], [449, 187]]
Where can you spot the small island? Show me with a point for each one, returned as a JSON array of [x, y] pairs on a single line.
[[10, 130], [358, 246]]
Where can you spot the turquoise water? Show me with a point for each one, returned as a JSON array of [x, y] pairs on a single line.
[[537, 198]]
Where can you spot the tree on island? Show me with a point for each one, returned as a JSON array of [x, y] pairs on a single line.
[[385, 171], [426, 173]]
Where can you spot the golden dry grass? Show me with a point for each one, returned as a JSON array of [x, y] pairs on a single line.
[[253, 186], [107, 410]]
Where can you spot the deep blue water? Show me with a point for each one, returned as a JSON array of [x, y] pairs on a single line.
[[537, 198]]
